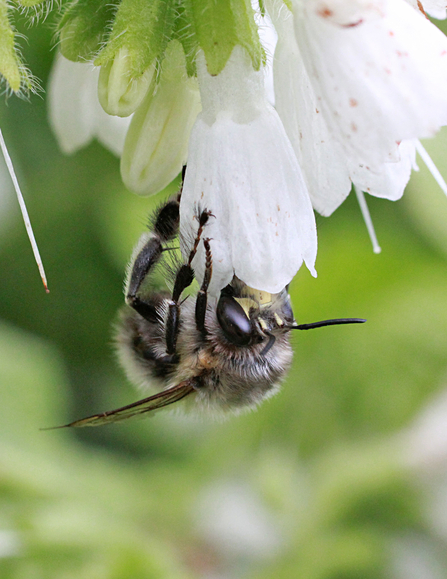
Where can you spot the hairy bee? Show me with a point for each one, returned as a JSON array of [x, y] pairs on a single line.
[[225, 353]]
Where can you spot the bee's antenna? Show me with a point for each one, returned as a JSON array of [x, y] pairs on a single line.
[[335, 322]]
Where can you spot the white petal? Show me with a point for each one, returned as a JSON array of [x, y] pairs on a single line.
[[390, 180], [346, 12], [268, 37], [75, 114], [242, 168], [436, 8], [322, 158], [380, 80], [71, 97], [111, 131]]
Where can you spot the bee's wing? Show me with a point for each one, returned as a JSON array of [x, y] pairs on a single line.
[[159, 400]]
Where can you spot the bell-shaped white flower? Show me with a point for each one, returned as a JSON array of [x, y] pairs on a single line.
[[328, 168], [156, 145], [379, 72], [75, 114], [242, 168]]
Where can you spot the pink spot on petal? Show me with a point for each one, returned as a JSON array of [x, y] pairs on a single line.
[[353, 102], [352, 24], [325, 12]]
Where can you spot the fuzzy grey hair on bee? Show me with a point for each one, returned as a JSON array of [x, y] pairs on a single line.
[[224, 353]]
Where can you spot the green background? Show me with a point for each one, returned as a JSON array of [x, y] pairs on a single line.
[[322, 482]]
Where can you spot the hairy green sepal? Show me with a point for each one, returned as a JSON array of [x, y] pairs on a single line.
[[220, 25], [128, 41], [11, 67], [84, 28], [30, 3]]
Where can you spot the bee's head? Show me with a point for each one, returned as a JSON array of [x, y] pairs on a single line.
[[247, 316]]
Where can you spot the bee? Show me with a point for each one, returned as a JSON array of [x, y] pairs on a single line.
[[224, 353]]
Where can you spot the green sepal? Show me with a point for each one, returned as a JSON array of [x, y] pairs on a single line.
[[184, 32], [144, 29], [30, 3], [11, 67], [84, 28], [220, 25]]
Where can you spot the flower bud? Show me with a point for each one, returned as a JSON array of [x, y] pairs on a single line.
[[119, 93], [140, 34], [157, 141]]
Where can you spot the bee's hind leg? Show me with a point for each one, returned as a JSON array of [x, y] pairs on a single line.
[[183, 279], [202, 296]]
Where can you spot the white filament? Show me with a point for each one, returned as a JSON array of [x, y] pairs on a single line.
[[29, 229], [431, 166], [368, 221]]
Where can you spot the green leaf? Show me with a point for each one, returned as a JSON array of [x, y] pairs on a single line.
[[220, 26], [84, 27]]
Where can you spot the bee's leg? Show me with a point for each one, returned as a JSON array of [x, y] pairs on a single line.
[[183, 279], [179, 196], [202, 296], [165, 228]]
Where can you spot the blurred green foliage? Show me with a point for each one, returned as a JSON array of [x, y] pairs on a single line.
[[321, 460]]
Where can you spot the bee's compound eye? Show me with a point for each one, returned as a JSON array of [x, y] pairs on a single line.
[[233, 321]]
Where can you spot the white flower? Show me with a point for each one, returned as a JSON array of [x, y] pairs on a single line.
[[156, 146], [379, 72], [241, 167], [75, 114], [328, 168]]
